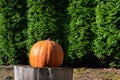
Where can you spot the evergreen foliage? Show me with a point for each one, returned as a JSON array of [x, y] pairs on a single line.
[[107, 31], [45, 20], [89, 31], [80, 36], [12, 31]]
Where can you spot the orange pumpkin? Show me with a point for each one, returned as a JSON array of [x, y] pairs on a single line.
[[46, 53]]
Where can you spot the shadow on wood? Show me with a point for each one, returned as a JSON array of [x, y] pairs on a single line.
[[23, 72]]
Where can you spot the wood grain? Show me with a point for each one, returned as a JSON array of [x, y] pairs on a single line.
[[23, 72]]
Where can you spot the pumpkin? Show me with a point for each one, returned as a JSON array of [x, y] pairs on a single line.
[[46, 53]]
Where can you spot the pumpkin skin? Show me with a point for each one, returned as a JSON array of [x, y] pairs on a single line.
[[46, 53]]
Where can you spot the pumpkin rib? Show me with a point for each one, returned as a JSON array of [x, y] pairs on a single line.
[[53, 53], [35, 53], [41, 61], [53, 62], [59, 51], [36, 59], [55, 50], [48, 55]]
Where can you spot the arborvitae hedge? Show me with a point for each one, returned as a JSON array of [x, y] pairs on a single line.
[[80, 36], [89, 31], [107, 31], [46, 19], [12, 31]]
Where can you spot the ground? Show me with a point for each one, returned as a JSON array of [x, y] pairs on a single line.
[[7, 73], [96, 74]]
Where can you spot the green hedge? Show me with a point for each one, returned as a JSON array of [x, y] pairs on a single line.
[[89, 31], [107, 32], [41, 21], [46, 19], [12, 31], [81, 36]]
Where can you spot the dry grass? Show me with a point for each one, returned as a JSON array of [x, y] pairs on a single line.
[[6, 73], [96, 74]]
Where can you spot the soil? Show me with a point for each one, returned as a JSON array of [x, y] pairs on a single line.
[[96, 74], [7, 73]]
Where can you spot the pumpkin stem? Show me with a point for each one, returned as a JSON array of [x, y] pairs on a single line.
[[48, 39]]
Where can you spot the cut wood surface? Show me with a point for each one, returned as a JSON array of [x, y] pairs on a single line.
[[22, 72]]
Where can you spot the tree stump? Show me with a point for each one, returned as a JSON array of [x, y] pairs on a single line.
[[24, 72]]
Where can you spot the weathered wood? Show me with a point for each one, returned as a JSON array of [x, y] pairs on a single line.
[[23, 72]]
